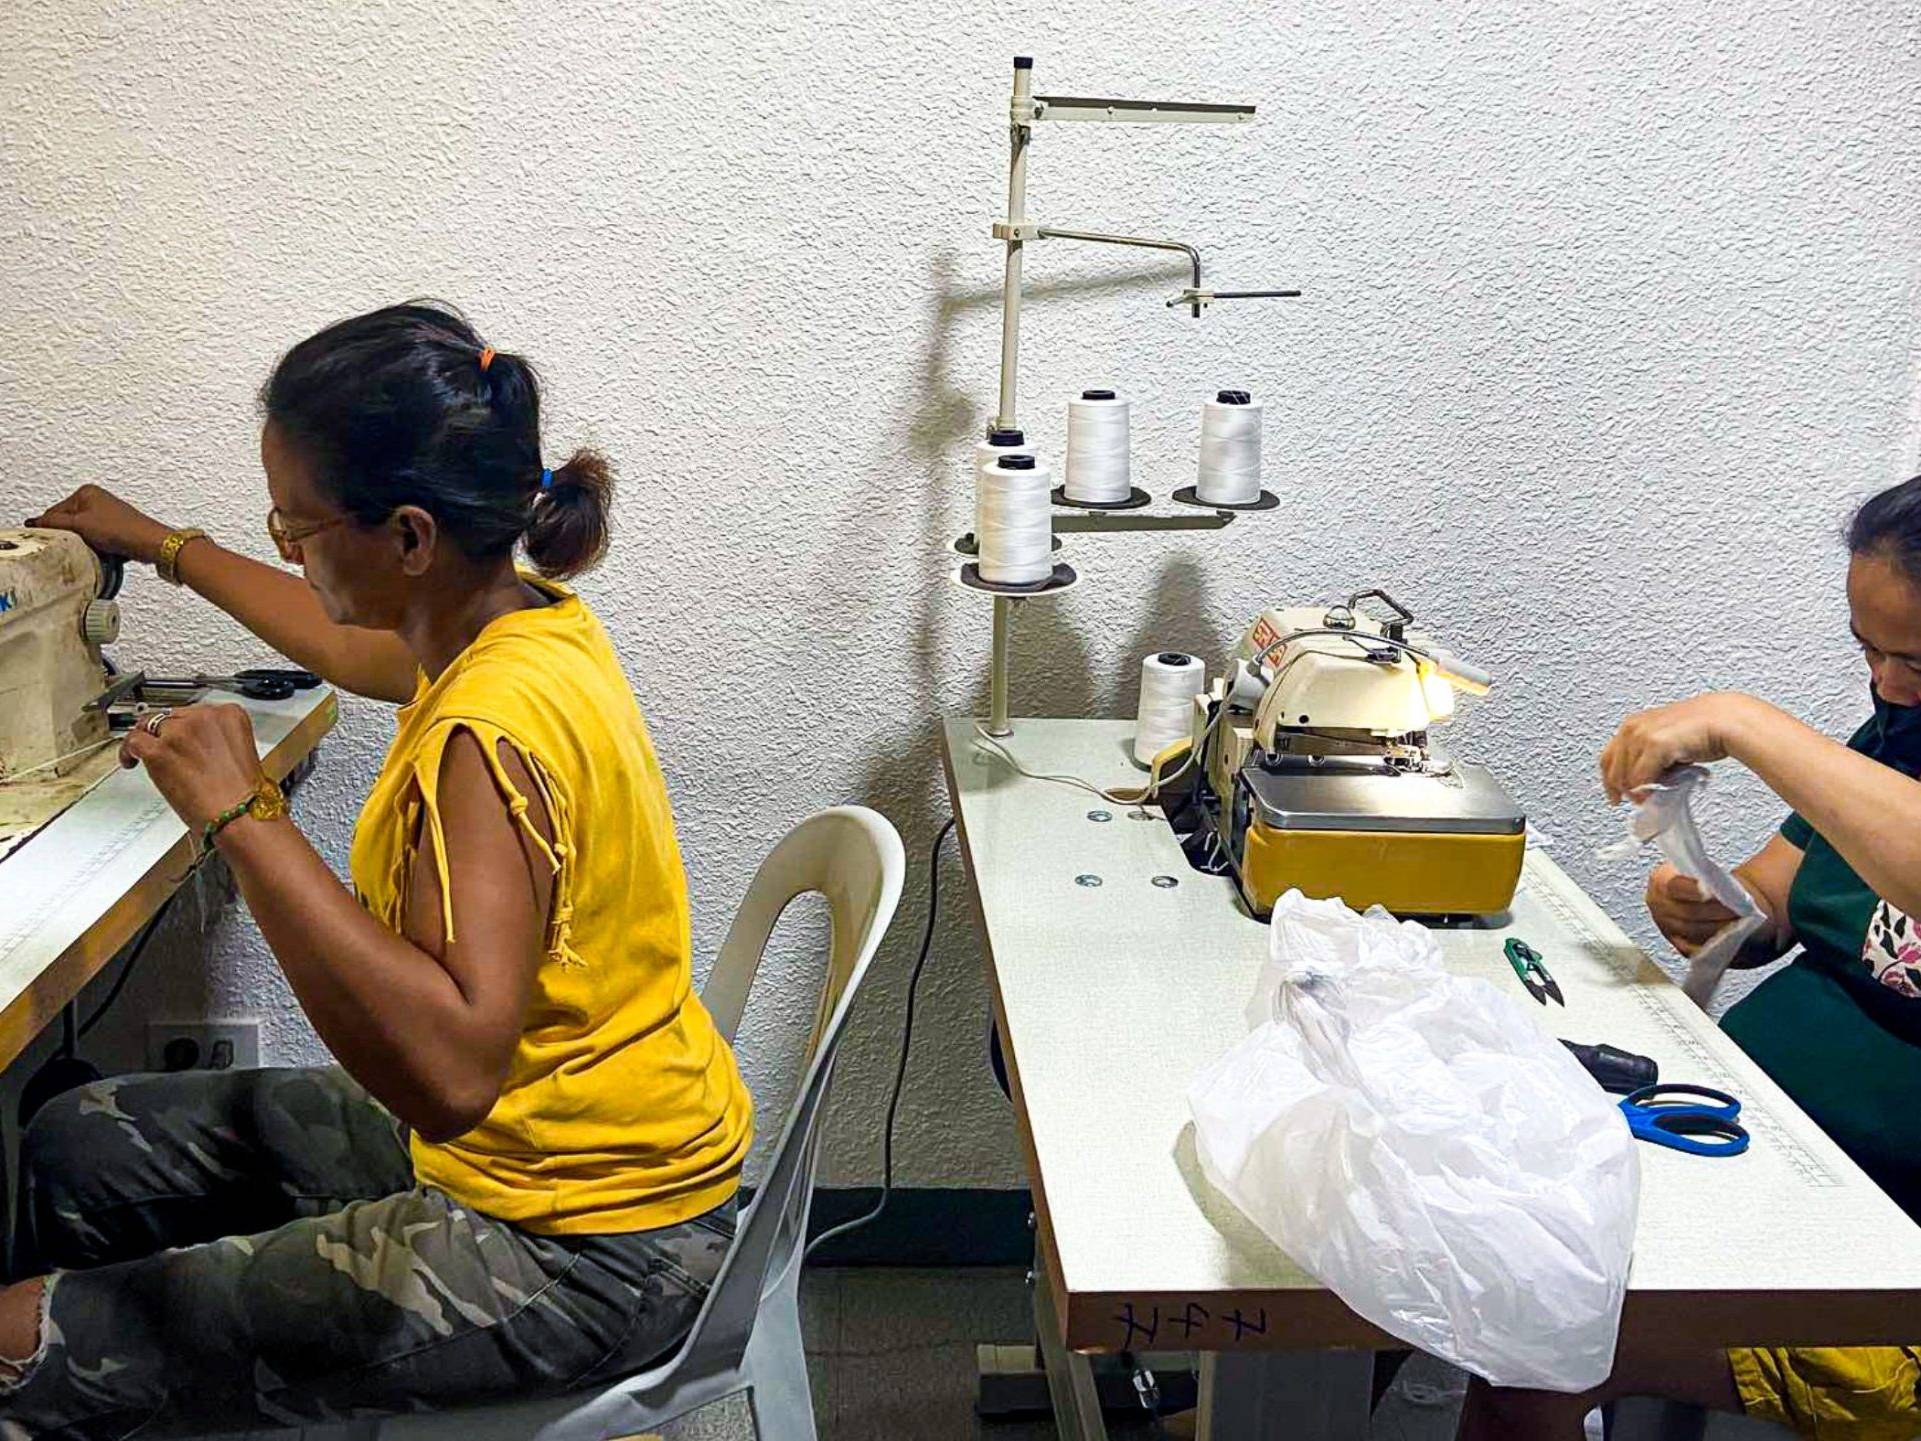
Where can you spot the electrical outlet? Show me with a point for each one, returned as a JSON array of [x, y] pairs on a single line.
[[202, 1045]]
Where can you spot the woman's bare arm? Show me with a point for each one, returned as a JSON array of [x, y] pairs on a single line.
[[276, 605]]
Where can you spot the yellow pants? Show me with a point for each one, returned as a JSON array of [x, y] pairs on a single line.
[[1833, 1393]]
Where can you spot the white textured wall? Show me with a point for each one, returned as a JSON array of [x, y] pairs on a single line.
[[1611, 310]]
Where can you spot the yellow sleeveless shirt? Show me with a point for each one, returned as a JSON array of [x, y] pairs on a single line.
[[622, 1109]]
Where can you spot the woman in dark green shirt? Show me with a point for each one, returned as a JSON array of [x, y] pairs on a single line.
[[1839, 1028]]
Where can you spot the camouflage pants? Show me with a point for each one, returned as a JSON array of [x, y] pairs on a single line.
[[248, 1249]]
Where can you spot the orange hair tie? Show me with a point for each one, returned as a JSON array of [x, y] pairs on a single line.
[[486, 358]]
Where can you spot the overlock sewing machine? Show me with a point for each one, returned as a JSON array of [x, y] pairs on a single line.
[[1317, 769]]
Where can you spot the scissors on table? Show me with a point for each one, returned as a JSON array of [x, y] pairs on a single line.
[[1533, 972], [1696, 1119], [260, 683]]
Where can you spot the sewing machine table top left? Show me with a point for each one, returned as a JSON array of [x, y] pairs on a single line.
[[75, 893]]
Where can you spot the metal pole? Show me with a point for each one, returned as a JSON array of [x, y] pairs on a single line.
[[1049, 232], [1018, 122], [1019, 129], [997, 723]]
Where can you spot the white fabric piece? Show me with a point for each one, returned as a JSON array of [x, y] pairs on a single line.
[[1663, 814], [1422, 1146]]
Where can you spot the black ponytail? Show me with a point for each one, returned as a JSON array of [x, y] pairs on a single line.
[[568, 533], [408, 406], [1889, 524]]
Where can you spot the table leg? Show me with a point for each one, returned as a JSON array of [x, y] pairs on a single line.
[[1302, 1395], [1070, 1376]]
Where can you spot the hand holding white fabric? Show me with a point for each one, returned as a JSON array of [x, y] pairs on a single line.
[[1664, 815]]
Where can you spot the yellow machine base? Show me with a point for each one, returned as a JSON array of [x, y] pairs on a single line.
[[1412, 873]]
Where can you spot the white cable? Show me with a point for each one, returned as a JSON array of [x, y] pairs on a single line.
[[1118, 796]]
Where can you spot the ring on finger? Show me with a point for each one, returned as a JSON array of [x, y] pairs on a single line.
[[153, 721]]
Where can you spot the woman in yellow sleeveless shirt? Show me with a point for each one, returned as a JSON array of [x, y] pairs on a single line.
[[521, 1175]]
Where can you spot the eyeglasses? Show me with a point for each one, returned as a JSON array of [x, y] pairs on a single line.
[[285, 539]]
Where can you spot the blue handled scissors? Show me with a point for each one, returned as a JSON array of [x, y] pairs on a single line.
[[1695, 1119]]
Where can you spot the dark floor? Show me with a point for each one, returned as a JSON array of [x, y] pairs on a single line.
[[891, 1354]]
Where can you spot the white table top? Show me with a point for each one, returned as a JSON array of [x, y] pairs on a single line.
[[76, 892], [1110, 998]]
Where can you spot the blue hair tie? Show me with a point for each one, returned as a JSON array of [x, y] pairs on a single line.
[[546, 480]]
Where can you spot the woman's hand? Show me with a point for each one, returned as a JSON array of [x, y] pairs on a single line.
[[201, 758], [107, 523], [1687, 915], [1652, 742]]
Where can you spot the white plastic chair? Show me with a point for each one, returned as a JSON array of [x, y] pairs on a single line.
[[747, 1335]]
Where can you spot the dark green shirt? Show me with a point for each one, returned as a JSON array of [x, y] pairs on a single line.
[[1839, 1029], [1844, 928]]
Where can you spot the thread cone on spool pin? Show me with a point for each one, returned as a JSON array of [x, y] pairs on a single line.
[[1230, 456], [1187, 495], [1015, 534], [1099, 455], [1136, 498], [1170, 680], [999, 441]]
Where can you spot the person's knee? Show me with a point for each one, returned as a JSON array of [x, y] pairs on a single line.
[[66, 1153], [62, 1141]]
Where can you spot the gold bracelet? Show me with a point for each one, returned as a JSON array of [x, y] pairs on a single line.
[[167, 563], [265, 802]]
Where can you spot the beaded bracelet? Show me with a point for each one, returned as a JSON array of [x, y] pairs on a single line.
[[220, 822]]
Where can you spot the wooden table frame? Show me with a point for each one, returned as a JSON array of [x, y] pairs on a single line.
[[58, 971]]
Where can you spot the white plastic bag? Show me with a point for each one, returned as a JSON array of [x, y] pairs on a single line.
[[1664, 814], [1426, 1150]]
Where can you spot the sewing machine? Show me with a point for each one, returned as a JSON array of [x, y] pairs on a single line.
[[90, 852], [1318, 770], [56, 612]]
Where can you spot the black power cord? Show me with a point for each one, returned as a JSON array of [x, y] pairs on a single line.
[[126, 969], [1147, 1390], [900, 1069]]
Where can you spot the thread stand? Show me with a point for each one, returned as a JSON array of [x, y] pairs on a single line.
[[1064, 577], [1189, 495], [1025, 111], [1136, 498]]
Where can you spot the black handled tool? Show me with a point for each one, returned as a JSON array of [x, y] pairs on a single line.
[[1617, 1071]]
